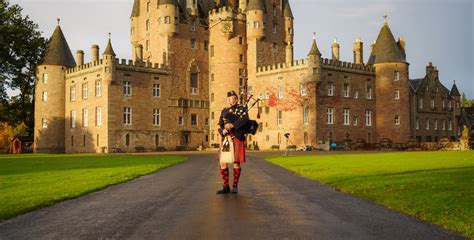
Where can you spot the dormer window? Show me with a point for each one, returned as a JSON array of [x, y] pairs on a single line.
[[167, 19]]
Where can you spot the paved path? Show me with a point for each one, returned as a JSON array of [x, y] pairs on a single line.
[[180, 203]]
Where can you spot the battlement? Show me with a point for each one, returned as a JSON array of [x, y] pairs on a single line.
[[119, 63], [340, 65], [225, 13], [282, 67]]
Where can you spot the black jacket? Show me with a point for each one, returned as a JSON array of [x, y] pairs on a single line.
[[237, 118]]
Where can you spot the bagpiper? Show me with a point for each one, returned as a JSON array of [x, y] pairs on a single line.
[[233, 122]]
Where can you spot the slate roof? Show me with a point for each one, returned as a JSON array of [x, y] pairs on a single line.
[[173, 2], [135, 9], [109, 50], [415, 83], [386, 49], [314, 49], [256, 5], [455, 91], [287, 10], [58, 51]]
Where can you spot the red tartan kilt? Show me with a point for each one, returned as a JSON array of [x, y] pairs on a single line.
[[239, 151]]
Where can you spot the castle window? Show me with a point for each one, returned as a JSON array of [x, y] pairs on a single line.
[[241, 58], [346, 90], [156, 117], [45, 123], [194, 83], [267, 95], [212, 50], [417, 124], [260, 127], [368, 118], [356, 94], [127, 115], [369, 92], [290, 31], [355, 121], [85, 91], [330, 88], [73, 93], [167, 19], [281, 92], [206, 46], [305, 137], [397, 94], [193, 25], [127, 88], [148, 6], [98, 88], [212, 115], [450, 125], [45, 96], [346, 115], [256, 24], [157, 140], [206, 122], [147, 25], [306, 115], [274, 10], [181, 121], [85, 117], [127, 140], [330, 116], [280, 118], [303, 89], [427, 124], [432, 104], [147, 45], [267, 138], [396, 76], [444, 124], [73, 119], [194, 119], [444, 104], [436, 124], [275, 27], [267, 110], [249, 90], [72, 141], [193, 43], [156, 90], [420, 103], [176, 22], [241, 40], [212, 97], [450, 105], [397, 120], [45, 78], [212, 77], [98, 116]]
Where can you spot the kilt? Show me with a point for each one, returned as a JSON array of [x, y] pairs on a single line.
[[239, 150]]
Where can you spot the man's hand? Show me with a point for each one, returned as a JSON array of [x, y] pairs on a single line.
[[224, 132], [229, 126]]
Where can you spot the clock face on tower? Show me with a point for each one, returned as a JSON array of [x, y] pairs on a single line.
[[227, 26]]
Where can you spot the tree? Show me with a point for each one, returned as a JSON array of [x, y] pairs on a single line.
[[21, 48], [466, 102], [8, 132]]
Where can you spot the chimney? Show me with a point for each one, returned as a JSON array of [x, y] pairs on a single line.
[[358, 51], [94, 53], [79, 57], [335, 50], [139, 53]]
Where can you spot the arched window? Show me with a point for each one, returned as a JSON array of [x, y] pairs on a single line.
[[127, 140]]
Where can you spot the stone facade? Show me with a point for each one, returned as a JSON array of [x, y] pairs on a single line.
[[186, 55]]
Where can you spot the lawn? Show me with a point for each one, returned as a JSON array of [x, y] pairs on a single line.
[[28, 182], [434, 186]]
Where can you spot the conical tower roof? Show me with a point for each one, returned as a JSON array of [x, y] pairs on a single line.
[[109, 50], [454, 91], [58, 51], [172, 2], [386, 49], [314, 48], [136, 8], [256, 5], [287, 10]]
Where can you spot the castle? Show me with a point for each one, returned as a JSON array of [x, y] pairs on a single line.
[[188, 53]]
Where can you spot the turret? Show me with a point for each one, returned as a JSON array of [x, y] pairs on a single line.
[[80, 57], [94, 53], [242, 5], [109, 62], [288, 16], [358, 51], [392, 120], [256, 11], [192, 7], [135, 23], [335, 50], [314, 62], [168, 11], [314, 54], [50, 94]]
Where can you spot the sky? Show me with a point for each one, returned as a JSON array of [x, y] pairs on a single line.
[[438, 31]]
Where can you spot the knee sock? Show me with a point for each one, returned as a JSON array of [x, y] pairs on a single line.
[[237, 172], [225, 176]]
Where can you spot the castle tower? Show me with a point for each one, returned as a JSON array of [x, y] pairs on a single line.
[[228, 62], [392, 118], [358, 52], [456, 104], [288, 16], [335, 50], [135, 25], [256, 12], [168, 11], [314, 62], [50, 94]]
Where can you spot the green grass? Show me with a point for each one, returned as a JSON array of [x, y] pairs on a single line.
[[28, 182], [434, 186]]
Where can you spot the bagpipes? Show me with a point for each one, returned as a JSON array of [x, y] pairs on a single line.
[[252, 126]]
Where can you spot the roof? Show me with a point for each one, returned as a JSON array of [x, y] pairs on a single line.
[[314, 49], [287, 10], [136, 8], [256, 5], [58, 51], [386, 49], [455, 91], [173, 2], [415, 83], [109, 50]]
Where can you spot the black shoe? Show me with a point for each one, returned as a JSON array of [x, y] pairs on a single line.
[[224, 190], [234, 190]]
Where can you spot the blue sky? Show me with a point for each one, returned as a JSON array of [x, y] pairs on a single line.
[[440, 31]]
